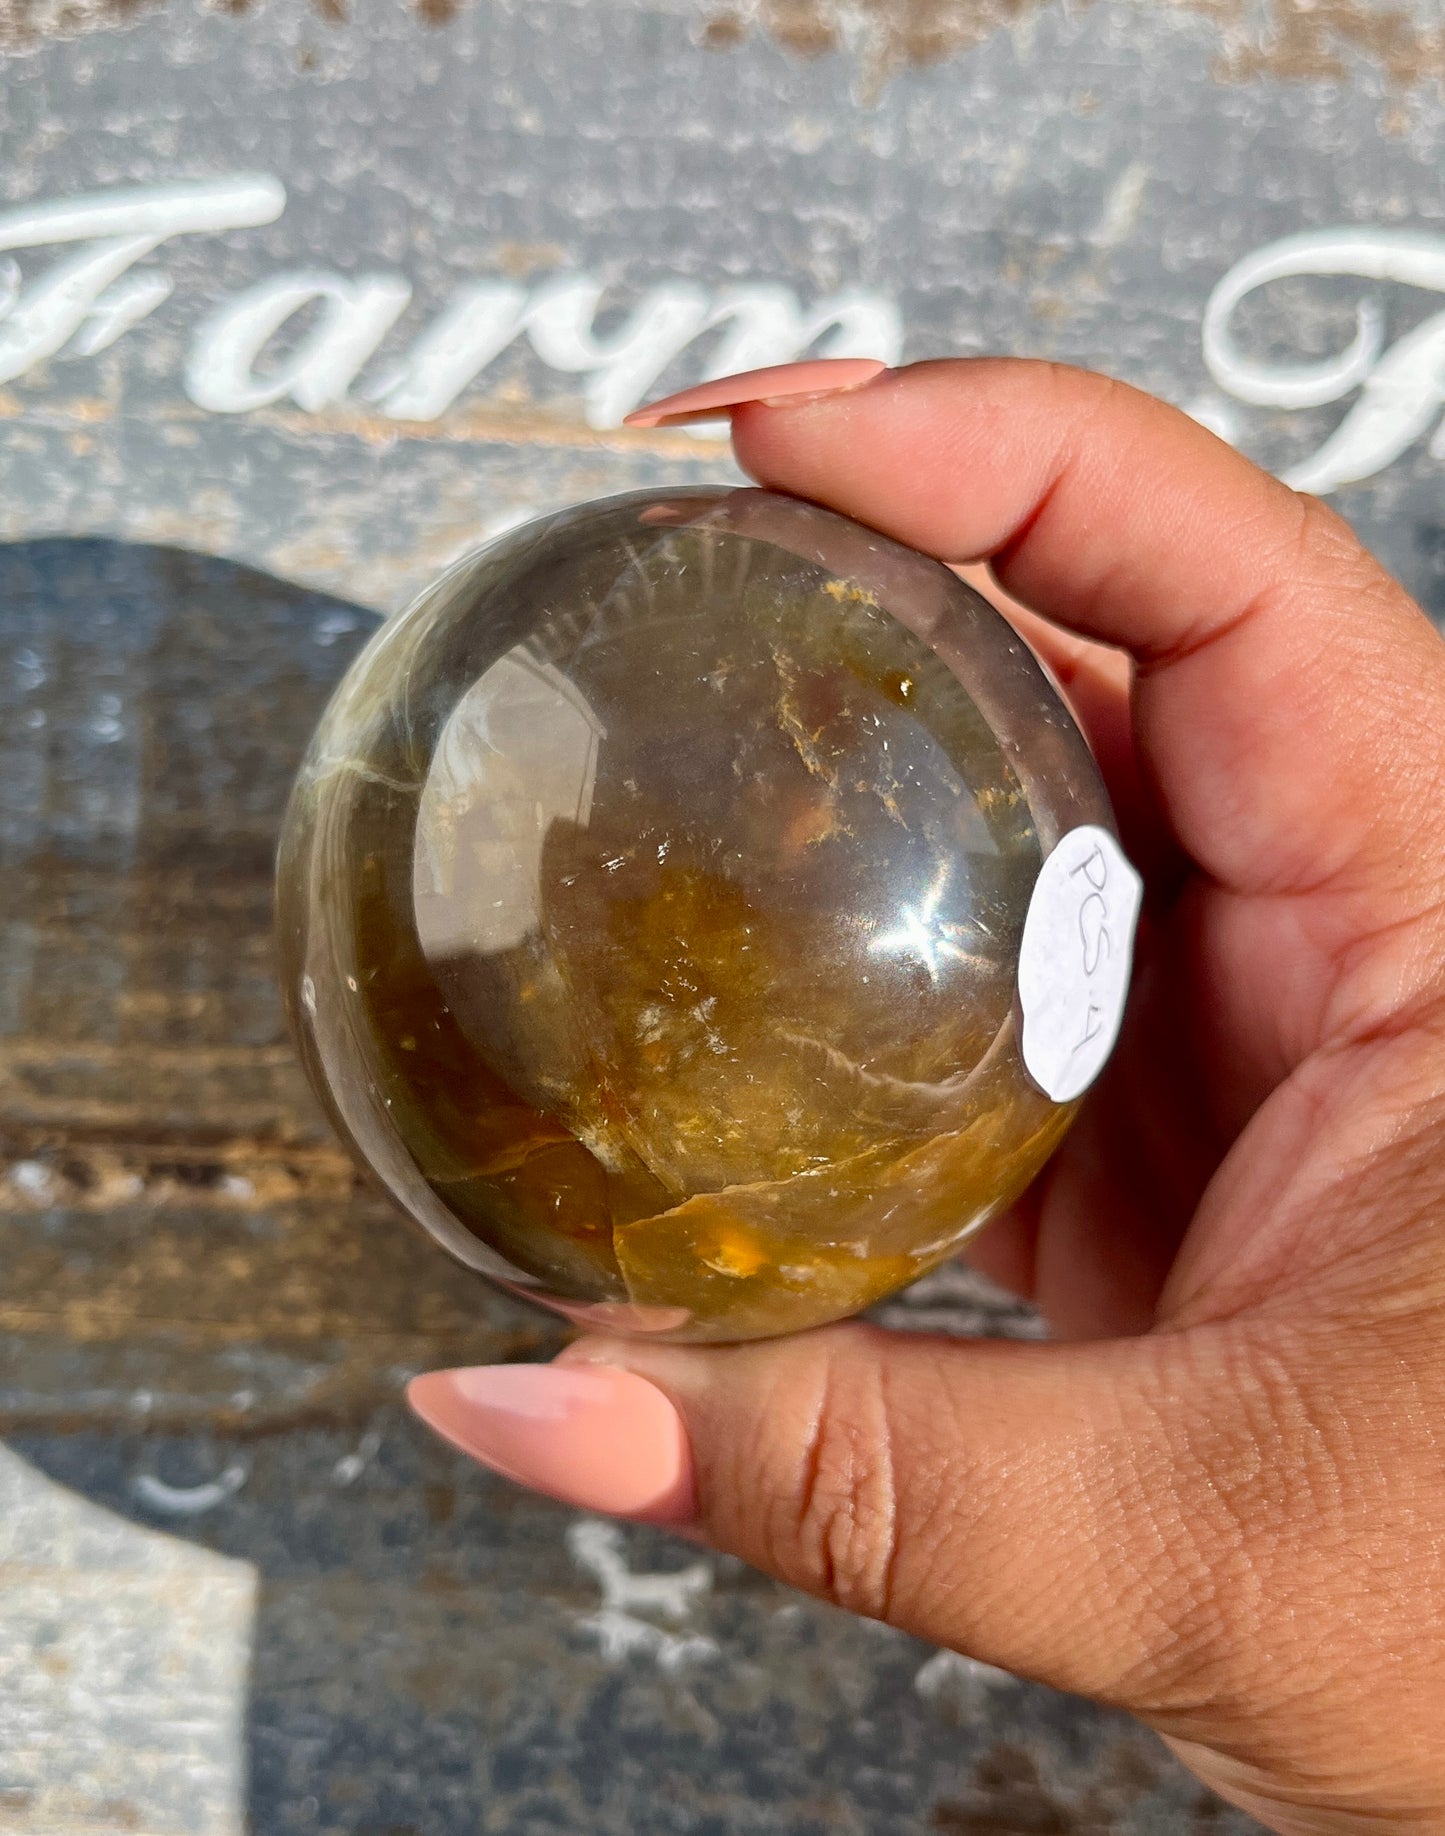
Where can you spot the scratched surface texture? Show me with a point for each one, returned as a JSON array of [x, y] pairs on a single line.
[[293, 306]]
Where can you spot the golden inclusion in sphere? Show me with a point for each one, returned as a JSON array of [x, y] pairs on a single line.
[[650, 906]]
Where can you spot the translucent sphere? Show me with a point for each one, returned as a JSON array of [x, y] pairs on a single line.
[[651, 901]]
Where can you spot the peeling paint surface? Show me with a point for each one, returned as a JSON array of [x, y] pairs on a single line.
[[238, 1588], [124, 1667], [1066, 182]]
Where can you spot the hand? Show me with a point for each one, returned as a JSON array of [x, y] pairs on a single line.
[[1218, 1497]]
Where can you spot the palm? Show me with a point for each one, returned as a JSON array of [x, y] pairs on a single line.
[[1207, 1153], [1232, 990], [1094, 1241]]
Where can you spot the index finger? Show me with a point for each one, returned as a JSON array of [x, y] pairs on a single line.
[[1289, 696]]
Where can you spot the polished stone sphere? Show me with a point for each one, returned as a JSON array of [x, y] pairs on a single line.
[[651, 903]]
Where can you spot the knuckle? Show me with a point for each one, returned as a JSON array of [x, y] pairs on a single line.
[[1329, 551], [840, 1518], [1323, 528]]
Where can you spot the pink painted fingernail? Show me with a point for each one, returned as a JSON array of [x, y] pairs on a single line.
[[590, 1435], [781, 383]]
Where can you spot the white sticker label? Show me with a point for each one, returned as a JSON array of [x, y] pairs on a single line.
[[1074, 962]]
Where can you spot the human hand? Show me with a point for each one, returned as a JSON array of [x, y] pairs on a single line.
[[1217, 1498]]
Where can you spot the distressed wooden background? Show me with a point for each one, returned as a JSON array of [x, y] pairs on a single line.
[[238, 1588]]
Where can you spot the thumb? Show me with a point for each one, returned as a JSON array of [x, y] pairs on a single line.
[[1045, 1508]]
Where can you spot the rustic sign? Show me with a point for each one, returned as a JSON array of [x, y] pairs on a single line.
[[294, 306]]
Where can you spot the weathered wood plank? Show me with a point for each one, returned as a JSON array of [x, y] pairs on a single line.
[[169, 1177]]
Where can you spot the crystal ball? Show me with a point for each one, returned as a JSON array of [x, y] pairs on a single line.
[[652, 906]]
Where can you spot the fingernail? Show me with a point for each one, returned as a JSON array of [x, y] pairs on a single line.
[[599, 1438], [779, 384]]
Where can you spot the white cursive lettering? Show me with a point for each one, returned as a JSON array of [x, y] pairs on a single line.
[[760, 325], [121, 228], [356, 315], [1401, 391], [247, 353]]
